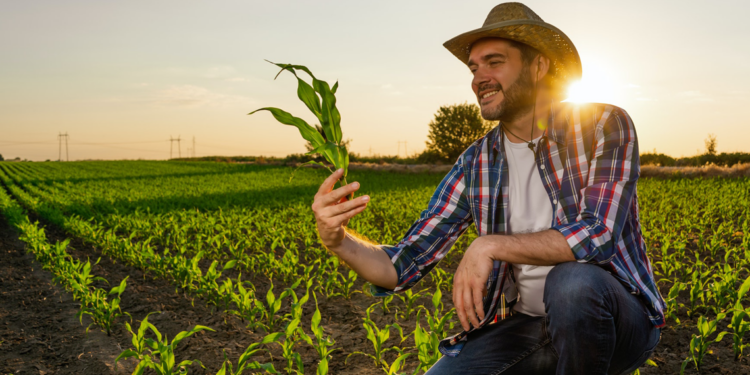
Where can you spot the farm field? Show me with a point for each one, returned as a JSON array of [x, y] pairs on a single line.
[[233, 248]]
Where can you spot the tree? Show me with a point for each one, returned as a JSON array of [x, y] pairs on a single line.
[[711, 144], [1, 157], [455, 128]]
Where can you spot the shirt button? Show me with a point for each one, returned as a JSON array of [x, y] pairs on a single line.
[[554, 201], [542, 167]]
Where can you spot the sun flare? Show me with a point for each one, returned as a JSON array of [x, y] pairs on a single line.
[[598, 85]]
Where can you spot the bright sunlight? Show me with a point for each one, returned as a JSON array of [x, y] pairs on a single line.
[[598, 85]]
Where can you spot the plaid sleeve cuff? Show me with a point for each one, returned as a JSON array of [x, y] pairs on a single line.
[[404, 281], [586, 241]]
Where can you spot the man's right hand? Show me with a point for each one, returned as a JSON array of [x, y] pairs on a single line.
[[333, 211]]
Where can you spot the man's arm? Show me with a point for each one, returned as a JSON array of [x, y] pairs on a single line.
[[545, 248], [332, 213], [424, 244]]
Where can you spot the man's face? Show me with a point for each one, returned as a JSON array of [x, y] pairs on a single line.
[[502, 83]]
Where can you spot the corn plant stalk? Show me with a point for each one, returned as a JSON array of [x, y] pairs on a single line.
[[320, 99]]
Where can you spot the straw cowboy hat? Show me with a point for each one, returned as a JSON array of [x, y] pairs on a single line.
[[517, 22]]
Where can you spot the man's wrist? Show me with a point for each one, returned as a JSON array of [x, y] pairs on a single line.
[[491, 246], [340, 248]]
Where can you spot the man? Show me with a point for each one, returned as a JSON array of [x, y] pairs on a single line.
[[558, 280]]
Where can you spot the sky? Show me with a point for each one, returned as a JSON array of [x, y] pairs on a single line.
[[122, 78]]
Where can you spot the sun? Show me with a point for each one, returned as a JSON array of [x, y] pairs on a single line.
[[598, 85]]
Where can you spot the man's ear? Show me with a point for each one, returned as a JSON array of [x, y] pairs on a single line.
[[542, 66]]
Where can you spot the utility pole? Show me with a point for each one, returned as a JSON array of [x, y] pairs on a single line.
[[60, 137], [171, 141], [406, 154], [193, 146]]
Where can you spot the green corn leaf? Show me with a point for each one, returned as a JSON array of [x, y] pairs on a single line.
[[121, 288], [743, 289], [273, 337], [331, 117], [180, 336], [126, 354], [322, 367], [308, 132], [229, 265], [307, 95], [397, 364]]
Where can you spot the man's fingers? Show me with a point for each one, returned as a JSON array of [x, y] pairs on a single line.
[[477, 292], [346, 206], [336, 221], [469, 307], [335, 196], [459, 305], [327, 185]]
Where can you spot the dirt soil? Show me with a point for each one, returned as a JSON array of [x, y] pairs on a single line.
[[40, 334]]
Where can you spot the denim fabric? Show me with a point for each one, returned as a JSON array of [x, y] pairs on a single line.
[[593, 326]]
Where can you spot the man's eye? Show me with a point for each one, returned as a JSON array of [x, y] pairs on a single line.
[[493, 63]]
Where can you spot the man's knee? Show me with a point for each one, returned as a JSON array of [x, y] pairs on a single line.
[[572, 284]]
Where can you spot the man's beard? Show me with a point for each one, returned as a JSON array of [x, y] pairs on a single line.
[[519, 99]]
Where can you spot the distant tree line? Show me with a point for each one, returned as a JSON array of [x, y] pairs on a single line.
[[709, 156], [455, 127]]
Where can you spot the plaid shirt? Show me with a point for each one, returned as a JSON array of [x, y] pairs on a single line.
[[589, 164]]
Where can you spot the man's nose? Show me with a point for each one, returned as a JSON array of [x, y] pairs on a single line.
[[480, 77]]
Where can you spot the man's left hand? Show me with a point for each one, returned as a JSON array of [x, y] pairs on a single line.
[[470, 283]]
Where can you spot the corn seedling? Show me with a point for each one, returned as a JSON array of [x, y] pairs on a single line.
[[244, 363], [139, 343], [103, 312], [409, 298], [671, 300], [397, 365], [437, 320], [319, 341], [699, 343], [739, 325], [378, 337], [162, 348], [329, 143], [271, 308], [427, 345], [292, 334]]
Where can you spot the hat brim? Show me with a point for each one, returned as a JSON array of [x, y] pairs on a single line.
[[546, 38]]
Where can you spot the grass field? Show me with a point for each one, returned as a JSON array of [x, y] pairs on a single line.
[[234, 248]]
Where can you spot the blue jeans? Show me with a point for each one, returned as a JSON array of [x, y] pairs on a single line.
[[593, 326]]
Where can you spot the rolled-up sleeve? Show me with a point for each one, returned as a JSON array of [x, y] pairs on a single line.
[[428, 240], [605, 201]]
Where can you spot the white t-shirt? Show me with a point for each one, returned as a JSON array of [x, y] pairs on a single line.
[[530, 211]]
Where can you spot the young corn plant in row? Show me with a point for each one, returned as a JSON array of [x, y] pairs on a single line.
[[378, 337], [244, 363], [700, 343], [158, 354], [738, 323], [320, 341], [102, 310]]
